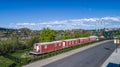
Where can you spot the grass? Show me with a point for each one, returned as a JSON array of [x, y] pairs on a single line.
[[20, 54], [5, 62], [11, 59]]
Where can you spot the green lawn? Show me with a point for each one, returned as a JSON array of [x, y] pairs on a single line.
[[9, 59], [5, 62], [22, 53]]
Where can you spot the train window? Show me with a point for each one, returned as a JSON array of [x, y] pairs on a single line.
[[66, 43], [55, 44], [75, 41], [69, 42], [45, 46], [82, 40], [72, 42], [37, 48], [59, 44]]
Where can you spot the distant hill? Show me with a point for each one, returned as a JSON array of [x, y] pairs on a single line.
[[24, 29], [4, 29]]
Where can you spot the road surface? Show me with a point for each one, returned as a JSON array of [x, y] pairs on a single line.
[[92, 57]]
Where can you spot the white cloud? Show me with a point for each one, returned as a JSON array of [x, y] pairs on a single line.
[[54, 22], [85, 20], [25, 24], [117, 19], [84, 23]]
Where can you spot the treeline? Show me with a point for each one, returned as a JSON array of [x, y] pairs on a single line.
[[15, 43], [48, 35]]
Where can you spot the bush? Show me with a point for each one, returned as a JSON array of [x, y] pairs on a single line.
[[15, 44]]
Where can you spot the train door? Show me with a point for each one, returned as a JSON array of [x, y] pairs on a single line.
[[37, 48], [63, 44]]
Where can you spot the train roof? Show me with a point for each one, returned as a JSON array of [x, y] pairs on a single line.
[[93, 36], [83, 38], [44, 43], [69, 39]]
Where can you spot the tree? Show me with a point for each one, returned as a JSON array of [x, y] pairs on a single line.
[[66, 35], [86, 34], [30, 42], [25, 32], [77, 35], [9, 33], [47, 35]]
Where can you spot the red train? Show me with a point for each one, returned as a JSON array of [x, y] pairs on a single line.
[[40, 48]]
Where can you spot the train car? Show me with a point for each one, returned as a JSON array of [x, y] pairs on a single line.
[[65, 43], [76, 41], [58, 45], [93, 38], [81, 40], [47, 46], [86, 40], [70, 42]]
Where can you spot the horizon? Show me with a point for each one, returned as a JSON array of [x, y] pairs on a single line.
[[60, 14]]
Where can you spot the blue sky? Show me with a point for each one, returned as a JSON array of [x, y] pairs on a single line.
[[58, 14]]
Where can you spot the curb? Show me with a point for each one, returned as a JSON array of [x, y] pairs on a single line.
[[113, 59]]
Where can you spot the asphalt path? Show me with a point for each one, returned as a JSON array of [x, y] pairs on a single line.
[[92, 57]]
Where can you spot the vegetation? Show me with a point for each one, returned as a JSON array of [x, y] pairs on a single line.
[[116, 34], [47, 35], [66, 35], [5, 62], [87, 34], [14, 44], [15, 48]]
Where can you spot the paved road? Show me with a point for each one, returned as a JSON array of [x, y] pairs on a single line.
[[92, 57]]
